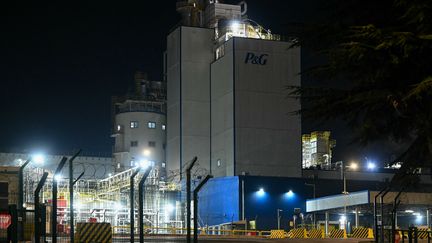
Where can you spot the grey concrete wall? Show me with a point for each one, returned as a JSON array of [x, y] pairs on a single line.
[[268, 138], [189, 53], [222, 114]]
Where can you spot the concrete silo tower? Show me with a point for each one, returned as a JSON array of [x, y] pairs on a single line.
[[139, 125]]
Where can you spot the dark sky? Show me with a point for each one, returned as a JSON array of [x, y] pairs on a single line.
[[61, 63]]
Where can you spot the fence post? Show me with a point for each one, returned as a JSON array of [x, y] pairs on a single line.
[[36, 207], [21, 198], [13, 228], [188, 199], [71, 206], [54, 201], [196, 190], [141, 192], [132, 210]]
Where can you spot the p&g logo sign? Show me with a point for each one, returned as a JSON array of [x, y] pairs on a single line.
[[256, 59]]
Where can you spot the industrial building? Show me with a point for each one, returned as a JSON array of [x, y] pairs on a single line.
[[317, 149], [227, 104], [223, 101]]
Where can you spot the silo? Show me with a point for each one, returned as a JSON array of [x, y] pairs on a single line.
[[139, 126]]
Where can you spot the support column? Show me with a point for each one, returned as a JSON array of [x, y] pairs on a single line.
[[428, 218], [327, 223]]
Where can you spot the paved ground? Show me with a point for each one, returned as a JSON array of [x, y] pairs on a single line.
[[250, 240]]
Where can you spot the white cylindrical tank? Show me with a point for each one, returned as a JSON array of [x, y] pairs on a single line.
[[140, 134]]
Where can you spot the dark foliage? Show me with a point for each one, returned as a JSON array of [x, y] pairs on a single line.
[[376, 74]]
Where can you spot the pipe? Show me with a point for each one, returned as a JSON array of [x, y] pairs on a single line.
[[188, 199], [196, 190], [37, 207], [141, 192]]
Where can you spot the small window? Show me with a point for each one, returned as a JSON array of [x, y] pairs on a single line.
[[151, 125], [118, 127], [132, 163], [152, 144], [134, 144], [163, 164], [219, 163], [163, 127], [133, 124], [118, 165]]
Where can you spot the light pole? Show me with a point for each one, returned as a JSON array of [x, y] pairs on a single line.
[[343, 177], [278, 217]]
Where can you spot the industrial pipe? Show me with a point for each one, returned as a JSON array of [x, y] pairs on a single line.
[[196, 190], [37, 207], [132, 212], [188, 199], [54, 200], [141, 192], [71, 196]]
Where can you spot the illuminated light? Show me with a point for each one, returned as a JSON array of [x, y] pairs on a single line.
[[145, 164], [57, 177], [371, 165], [169, 208], [353, 166], [117, 206], [235, 25], [78, 205], [342, 218], [290, 193], [109, 174], [38, 158], [146, 152], [409, 211], [261, 192]]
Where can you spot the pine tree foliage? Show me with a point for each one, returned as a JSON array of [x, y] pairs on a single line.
[[376, 74]]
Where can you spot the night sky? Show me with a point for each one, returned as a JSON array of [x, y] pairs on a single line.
[[61, 63]]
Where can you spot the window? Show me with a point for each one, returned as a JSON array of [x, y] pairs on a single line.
[[134, 144], [218, 163], [133, 124], [118, 127], [163, 164], [118, 165], [151, 125], [152, 144], [163, 127], [132, 163]]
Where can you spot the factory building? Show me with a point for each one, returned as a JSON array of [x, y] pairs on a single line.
[[317, 149], [227, 103]]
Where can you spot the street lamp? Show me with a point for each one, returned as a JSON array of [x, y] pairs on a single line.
[[278, 217]]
